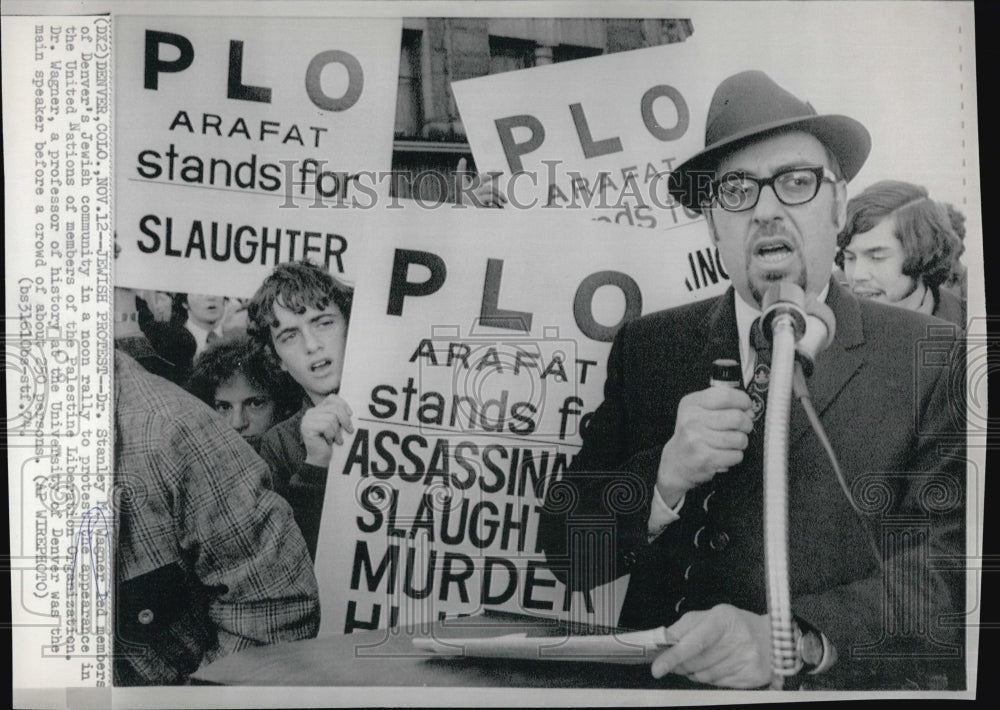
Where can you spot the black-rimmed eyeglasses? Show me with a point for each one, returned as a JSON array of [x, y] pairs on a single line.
[[737, 192]]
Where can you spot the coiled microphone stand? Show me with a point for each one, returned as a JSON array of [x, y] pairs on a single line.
[[784, 322]]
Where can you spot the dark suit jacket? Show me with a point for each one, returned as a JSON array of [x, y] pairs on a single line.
[[303, 485], [883, 392], [949, 307]]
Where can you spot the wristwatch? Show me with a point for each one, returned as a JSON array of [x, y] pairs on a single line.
[[815, 652]]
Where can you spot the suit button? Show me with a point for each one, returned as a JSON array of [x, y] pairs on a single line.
[[719, 541], [704, 503], [687, 573], [677, 606], [146, 617], [698, 535]]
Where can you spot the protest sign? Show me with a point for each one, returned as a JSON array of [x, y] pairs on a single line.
[[477, 350], [597, 137], [594, 136], [243, 143]]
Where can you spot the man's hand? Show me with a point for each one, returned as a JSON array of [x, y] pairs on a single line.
[[709, 437], [486, 193], [321, 429], [723, 646]]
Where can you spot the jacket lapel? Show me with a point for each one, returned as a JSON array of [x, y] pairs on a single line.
[[836, 365]]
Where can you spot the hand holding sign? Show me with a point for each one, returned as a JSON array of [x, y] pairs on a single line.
[[485, 194], [322, 427], [723, 646]]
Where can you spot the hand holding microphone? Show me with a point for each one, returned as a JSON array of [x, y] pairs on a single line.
[[710, 434]]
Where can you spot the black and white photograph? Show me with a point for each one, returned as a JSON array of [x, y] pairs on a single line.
[[495, 353]]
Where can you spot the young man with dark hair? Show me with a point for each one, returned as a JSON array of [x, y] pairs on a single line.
[[237, 378], [899, 247], [300, 313]]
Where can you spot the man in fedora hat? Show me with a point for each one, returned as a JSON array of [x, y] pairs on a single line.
[[771, 183]]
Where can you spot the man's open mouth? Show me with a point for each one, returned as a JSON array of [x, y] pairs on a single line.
[[320, 365], [773, 251]]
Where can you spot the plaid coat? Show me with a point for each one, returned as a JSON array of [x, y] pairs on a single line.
[[209, 559]]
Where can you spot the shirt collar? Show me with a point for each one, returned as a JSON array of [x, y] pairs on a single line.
[[746, 314]]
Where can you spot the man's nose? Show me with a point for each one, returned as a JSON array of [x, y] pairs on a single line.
[[860, 270], [238, 418], [768, 205], [312, 344]]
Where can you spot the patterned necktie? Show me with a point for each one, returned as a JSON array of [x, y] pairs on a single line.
[[757, 388], [211, 338]]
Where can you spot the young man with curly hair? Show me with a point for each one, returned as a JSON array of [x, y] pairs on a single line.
[[300, 314]]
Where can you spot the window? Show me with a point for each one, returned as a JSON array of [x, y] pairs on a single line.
[[409, 104], [567, 52], [507, 54]]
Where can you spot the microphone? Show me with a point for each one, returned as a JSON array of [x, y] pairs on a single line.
[[812, 320], [783, 298], [726, 373], [799, 328], [783, 322]]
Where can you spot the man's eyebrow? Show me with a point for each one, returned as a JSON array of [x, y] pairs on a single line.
[[793, 165], [867, 250]]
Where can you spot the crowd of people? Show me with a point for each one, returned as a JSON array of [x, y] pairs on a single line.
[[239, 496]]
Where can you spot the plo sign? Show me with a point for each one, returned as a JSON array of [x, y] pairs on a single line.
[[598, 136], [243, 143], [472, 364]]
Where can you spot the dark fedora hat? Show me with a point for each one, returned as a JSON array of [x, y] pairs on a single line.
[[749, 106]]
